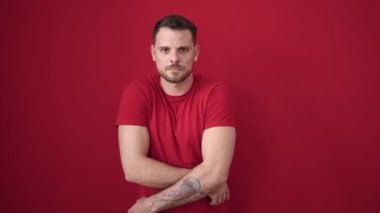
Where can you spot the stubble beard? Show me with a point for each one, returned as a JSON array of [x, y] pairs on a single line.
[[179, 77]]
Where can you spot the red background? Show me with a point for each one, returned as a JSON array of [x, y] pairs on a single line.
[[306, 75]]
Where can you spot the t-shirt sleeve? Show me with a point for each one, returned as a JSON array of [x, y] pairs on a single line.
[[133, 109], [220, 109]]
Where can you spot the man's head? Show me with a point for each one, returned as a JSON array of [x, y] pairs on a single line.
[[174, 49]]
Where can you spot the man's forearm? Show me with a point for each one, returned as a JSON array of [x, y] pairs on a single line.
[[153, 173]]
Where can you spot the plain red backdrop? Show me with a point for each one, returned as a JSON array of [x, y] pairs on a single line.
[[306, 75]]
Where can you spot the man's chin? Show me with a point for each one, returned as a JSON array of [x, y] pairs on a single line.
[[175, 79]]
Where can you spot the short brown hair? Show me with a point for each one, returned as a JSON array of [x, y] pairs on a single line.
[[175, 22]]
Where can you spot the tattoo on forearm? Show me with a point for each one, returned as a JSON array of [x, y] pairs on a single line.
[[188, 187], [188, 191]]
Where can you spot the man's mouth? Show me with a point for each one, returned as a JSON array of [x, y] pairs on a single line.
[[177, 68]]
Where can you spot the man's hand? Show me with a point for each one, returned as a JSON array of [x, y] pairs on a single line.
[[220, 195], [141, 206]]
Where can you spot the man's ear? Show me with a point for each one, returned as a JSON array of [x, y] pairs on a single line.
[[152, 52], [197, 49]]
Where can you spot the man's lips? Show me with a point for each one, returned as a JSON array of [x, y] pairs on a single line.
[[177, 68]]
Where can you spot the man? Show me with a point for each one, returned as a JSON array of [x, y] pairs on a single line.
[[176, 129]]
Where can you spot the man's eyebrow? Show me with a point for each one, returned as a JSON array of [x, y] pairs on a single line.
[[181, 47]]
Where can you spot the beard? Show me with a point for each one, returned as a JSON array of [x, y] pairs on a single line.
[[175, 74]]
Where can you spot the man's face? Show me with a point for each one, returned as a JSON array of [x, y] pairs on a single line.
[[174, 53]]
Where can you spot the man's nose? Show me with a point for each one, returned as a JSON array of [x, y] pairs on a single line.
[[174, 58]]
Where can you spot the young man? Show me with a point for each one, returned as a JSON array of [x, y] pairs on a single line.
[[176, 129]]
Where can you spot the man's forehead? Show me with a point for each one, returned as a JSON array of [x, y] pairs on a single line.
[[175, 47], [167, 35]]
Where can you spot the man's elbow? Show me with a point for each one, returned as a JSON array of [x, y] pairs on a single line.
[[129, 177], [130, 173], [133, 168]]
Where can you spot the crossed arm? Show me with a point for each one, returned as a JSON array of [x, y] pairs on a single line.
[[180, 185]]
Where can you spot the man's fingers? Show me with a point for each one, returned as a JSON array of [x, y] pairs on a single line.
[[217, 199], [213, 199], [220, 195], [221, 198], [224, 197]]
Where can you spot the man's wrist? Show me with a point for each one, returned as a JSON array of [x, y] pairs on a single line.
[[153, 204]]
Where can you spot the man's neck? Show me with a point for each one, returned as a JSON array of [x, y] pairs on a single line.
[[177, 89]]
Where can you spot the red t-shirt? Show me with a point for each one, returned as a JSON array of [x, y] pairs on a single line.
[[176, 123]]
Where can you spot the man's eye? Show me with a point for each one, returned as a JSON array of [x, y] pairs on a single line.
[[164, 50], [183, 50]]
